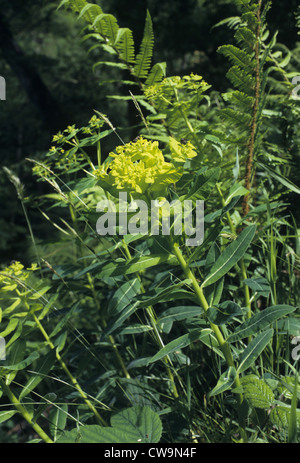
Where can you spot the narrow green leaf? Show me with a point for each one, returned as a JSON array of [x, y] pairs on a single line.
[[23, 364], [6, 415], [42, 368], [231, 256], [259, 285], [204, 184], [280, 178], [57, 420], [124, 294], [224, 383], [224, 313], [134, 265], [259, 321], [254, 349], [176, 344]]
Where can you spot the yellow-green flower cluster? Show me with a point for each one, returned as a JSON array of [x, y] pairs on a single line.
[[16, 269], [139, 167]]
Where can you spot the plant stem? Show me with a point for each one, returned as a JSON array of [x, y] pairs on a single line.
[[23, 412], [68, 373], [253, 128], [224, 346]]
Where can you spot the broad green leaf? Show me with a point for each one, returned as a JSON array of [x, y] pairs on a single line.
[[143, 419], [225, 382], [254, 349], [259, 321], [280, 416], [134, 425], [257, 392], [6, 415], [42, 368], [224, 313], [231, 256]]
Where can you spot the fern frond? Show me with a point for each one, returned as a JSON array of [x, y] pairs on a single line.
[[143, 59], [156, 74], [246, 38], [241, 119], [237, 56], [239, 99], [100, 25], [112, 28], [89, 12], [125, 45], [241, 80]]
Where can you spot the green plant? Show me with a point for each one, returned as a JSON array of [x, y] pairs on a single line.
[[138, 327]]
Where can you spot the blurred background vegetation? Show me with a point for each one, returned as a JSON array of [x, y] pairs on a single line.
[[51, 82]]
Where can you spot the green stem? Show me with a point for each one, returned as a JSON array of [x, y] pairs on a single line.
[[23, 412], [68, 373], [99, 154], [224, 346]]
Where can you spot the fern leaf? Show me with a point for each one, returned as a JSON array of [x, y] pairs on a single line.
[[89, 12], [100, 25], [239, 99], [237, 56], [241, 80], [156, 74], [246, 38], [143, 59], [241, 119], [112, 27], [125, 45], [76, 5]]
